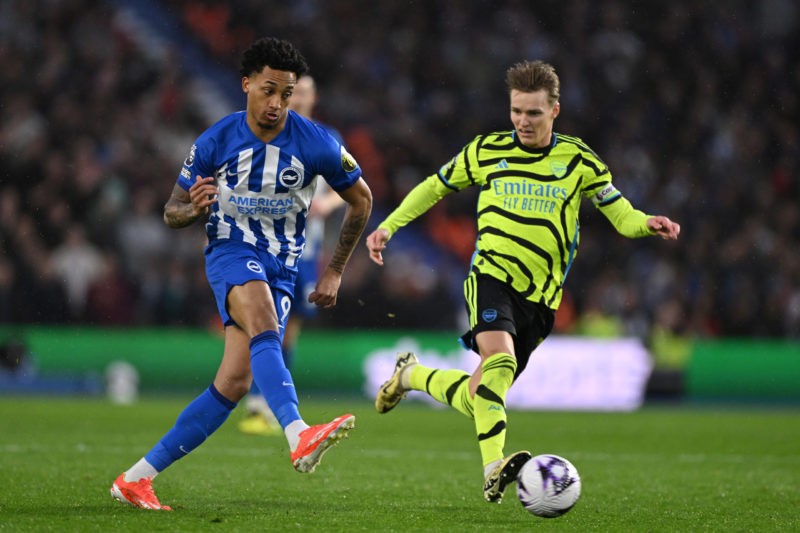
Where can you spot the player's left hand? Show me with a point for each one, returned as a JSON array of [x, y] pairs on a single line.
[[327, 289], [664, 227]]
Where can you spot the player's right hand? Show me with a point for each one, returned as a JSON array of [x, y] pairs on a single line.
[[376, 242], [203, 193]]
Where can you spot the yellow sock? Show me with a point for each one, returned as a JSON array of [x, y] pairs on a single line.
[[450, 387], [490, 405]]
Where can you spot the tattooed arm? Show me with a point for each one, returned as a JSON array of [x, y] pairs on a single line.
[[359, 206], [184, 207]]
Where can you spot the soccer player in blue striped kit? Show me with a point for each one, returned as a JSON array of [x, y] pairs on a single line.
[[252, 173]]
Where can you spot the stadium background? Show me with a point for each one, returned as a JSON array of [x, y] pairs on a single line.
[[694, 105]]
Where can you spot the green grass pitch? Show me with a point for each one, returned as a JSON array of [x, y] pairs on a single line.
[[414, 469]]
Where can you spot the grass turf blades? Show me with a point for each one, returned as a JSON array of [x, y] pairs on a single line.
[[414, 469]]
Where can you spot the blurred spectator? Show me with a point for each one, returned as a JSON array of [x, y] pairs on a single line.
[[7, 282], [111, 296], [142, 235], [78, 264]]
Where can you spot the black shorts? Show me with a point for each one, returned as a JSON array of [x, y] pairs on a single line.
[[495, 306]]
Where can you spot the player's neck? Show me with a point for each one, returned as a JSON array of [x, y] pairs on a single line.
[[266, 133]]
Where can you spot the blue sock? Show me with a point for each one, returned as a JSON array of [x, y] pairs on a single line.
[[200, 419], [274, 380], [288, 357], [254, 388]]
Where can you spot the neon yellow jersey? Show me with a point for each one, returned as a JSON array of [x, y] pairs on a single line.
[[527, 213]]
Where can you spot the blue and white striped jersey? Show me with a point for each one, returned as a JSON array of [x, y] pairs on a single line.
[[265, 190]]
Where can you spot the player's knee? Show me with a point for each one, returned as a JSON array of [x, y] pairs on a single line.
[[252, 308], [233, 388], [255, 321]]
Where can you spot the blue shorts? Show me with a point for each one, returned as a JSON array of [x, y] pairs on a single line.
[[307, 275], [231, 263]]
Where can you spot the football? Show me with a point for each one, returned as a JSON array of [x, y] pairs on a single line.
[[548, 485]]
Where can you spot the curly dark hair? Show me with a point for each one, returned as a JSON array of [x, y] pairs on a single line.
[[274, 53]]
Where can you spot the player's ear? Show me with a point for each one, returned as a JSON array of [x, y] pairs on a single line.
[[556, 109], [245, 84]]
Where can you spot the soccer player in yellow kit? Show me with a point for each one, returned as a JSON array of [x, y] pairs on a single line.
[[531, 182]]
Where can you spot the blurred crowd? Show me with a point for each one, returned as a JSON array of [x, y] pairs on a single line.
[[694, 105]]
